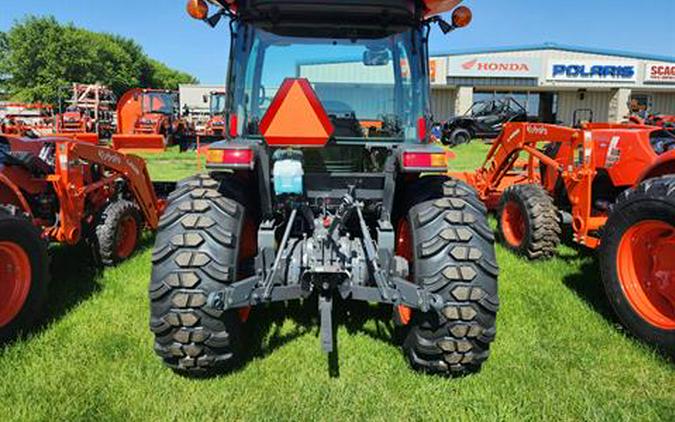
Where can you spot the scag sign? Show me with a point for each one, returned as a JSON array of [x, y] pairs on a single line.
[[592, 71], [659, 72]]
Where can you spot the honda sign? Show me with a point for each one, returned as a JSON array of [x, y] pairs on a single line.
[[499, 67]]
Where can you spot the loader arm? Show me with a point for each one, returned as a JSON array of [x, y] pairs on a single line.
[[502, 168], [133, 169]]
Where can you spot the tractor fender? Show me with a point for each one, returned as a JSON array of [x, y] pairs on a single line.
[[663, 165], [11, 194]]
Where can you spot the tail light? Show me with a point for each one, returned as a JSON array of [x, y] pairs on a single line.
[[424, 161], [422, 129], [233, 122], [238, 158]]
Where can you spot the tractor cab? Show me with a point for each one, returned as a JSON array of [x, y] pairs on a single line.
[[331, 76]]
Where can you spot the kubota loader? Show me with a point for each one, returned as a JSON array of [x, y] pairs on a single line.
[[65, 191], [614, 185], [332, 192], [147, 121]]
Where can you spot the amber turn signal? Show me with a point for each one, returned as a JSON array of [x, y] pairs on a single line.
[[461, 17], [198, 9]]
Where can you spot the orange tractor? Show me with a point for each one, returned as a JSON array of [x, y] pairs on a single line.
[[147, 120], [65, 191], [615, 185], [89, 115], [22, 119]]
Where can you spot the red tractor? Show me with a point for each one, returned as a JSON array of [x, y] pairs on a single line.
[[147, 120], [304, 201], [615, 186], [65, 191], [89, 115], [22, 119], [215, 126]]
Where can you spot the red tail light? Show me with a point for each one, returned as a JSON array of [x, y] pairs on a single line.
[[429, 161], [422, 129], [235, 157], [233, 126]]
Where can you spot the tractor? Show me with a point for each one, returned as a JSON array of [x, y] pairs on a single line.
[[614, 185], [211, 129], [302, 200], [215, 126], [22, 119], [89, 115], [64, 191], [147, 121]]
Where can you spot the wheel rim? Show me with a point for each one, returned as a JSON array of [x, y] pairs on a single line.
[[404, 248], [646, 269], [513, 224], [127, 236], [15, 281]]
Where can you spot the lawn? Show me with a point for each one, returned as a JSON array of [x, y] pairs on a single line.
[[559, 354]]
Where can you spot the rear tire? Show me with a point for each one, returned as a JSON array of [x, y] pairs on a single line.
[[119, 232], [21, 247], [529, 222], [459, 136], [453, 255], [637, 261], [196, 254]]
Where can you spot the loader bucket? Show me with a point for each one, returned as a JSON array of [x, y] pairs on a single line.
[[90, 138], [138, 143]]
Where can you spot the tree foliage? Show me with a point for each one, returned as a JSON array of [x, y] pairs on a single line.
[[40, 58]]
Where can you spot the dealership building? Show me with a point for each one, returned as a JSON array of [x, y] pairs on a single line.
[[552, 81]]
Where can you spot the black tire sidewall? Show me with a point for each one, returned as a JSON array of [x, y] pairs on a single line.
[[621, 220], [460, 136], [21, 232]]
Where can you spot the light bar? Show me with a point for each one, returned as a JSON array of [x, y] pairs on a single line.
[[424, 161], [234, 157]]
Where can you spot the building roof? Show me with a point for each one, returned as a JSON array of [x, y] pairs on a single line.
[[560, 47]]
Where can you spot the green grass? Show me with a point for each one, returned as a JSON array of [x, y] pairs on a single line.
[[559, 355]]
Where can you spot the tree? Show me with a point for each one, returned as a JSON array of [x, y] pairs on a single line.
[[42, 58]]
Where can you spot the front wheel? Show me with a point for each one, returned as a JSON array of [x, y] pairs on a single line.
[[528, 222], [119, 231], [637, 260], [451, 249]]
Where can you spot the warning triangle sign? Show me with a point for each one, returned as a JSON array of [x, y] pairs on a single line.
[[296, 117]]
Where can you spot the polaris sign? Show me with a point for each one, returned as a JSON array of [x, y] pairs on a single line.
[[584, 71]]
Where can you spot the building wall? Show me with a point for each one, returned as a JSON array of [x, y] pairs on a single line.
[[443, 104], [664, 103], [569, 101]]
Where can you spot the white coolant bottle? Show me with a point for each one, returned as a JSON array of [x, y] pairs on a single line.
[[288, 174]]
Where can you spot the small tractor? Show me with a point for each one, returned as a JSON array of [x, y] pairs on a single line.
[[64, 191], [213, 128], [89, 116], [22, 119], [484, 120], [302, 204], [614, 185], [147, 121]]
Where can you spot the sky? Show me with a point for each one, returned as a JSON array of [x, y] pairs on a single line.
[[169, 35]]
